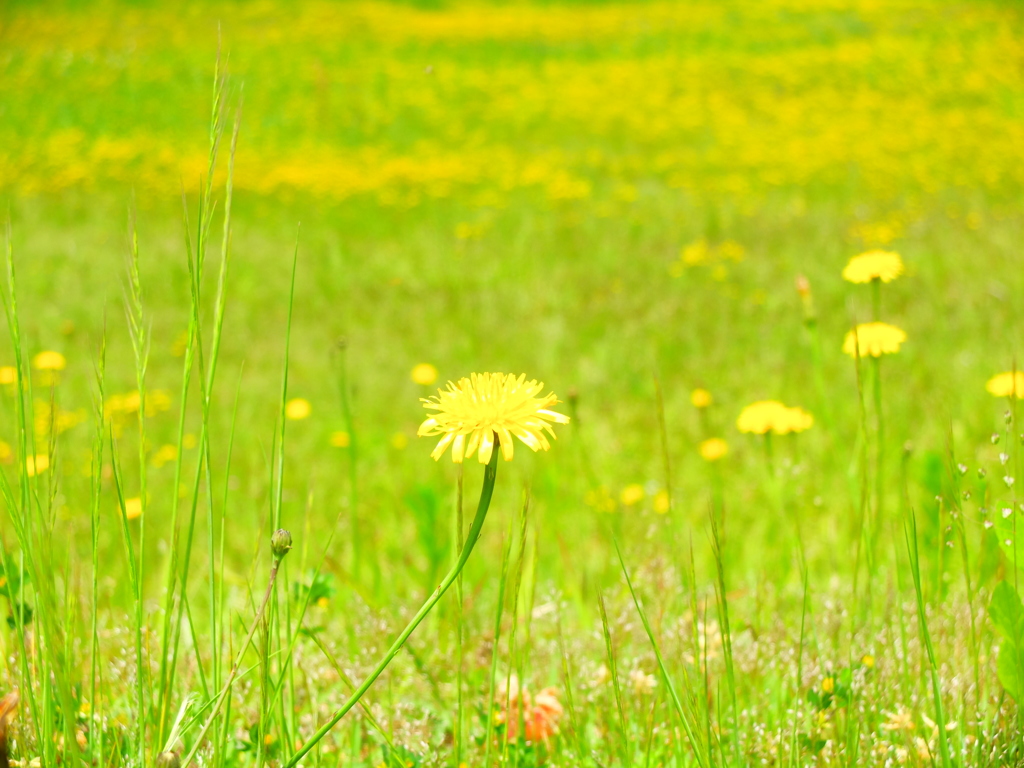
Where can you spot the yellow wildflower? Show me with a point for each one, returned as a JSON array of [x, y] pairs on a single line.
[[874, 339], [700, 398], [133, 508], [713, 449], [828, 685], [340, 439], [874, 265], [424, 374], [297, 409], [1009, 384], [772, 416], [662, 502], [486, 407], [49, 361], [36, 465], [8, 374], [5, 451], [632, 494], [868, 660]]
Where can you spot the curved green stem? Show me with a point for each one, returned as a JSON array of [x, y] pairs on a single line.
[[474, 533]]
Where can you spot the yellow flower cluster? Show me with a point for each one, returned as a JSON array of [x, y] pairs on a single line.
[[874, 265], [772, 416], [741, 121], [873, 340]]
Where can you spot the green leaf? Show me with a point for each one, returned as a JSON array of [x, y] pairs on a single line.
[[1006, 612], [1007, 615]]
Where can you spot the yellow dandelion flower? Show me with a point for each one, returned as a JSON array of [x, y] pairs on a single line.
[[713, 449], [874, 265], [798, 420], [874, 340], [1009, 384], [297, 409], [700, 398], [772, 416], [133, 508], [8, 374], [49, 361], [340, 439], [424, 374], [868, 660], [474, 412], [5, 451], [662, 502], [36, 465], [828, 685], [632, 494]]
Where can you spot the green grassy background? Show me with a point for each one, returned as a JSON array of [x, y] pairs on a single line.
[[509, 187]]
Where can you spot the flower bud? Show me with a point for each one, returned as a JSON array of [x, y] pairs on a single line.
[[280, 543], [168, 760]]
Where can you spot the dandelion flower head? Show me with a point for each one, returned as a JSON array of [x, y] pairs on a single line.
[[700, 398], [8, 374], [772, 416], [874, 340], [713, 449], [298, 409], [49, 361], [1009, 384], [632, 494], [424, 373], [471, 413], [874, 265]]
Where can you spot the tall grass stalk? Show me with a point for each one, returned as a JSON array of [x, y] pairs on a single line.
[[910, 534], [687, 717], [613, 668]]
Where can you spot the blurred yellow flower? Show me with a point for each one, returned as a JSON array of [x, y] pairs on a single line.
[[632, 494], [662, 502], [133, 508], [8, 374], [399, 441], [874, 340], [35, 465], [868, 660], [424, 374], [49, 361], [165, 454], [1009, 384], [713, 449], [828, 685], [297, 409], [5, 451], [772, 416], [700, 398], [486, 407], [340, 439], [874, 265]]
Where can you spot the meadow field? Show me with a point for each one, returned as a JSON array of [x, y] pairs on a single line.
[[766, 256]]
